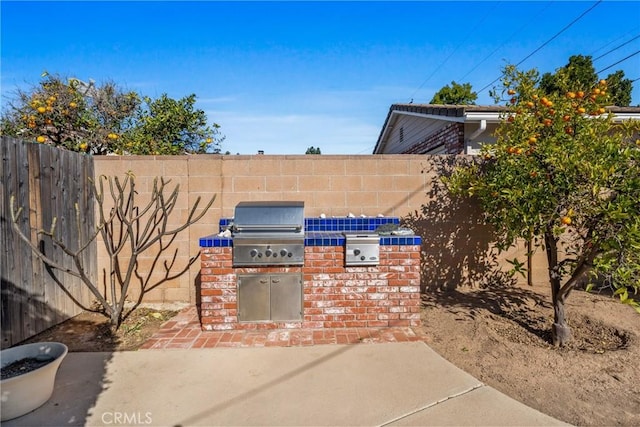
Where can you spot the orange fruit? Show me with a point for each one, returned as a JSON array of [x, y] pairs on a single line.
[[73, 104], [41, 139], [42, 110], [566, 220]]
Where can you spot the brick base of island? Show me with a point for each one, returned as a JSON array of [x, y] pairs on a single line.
[[333, 295]]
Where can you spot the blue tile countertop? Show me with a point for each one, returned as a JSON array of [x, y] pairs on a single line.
[[314, 239], [215, 241], [326, 232]]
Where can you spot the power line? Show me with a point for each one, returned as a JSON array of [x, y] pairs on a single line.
[[548, 41], [527, 23], [616, 48], [614, 40], [622, 60], [454, 50]]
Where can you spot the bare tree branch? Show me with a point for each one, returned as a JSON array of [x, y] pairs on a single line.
[[127, 231]]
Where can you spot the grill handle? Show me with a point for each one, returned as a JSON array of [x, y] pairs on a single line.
[[271, 227]]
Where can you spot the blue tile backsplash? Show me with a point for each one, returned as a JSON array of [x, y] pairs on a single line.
[[325, 232], [347, 224]]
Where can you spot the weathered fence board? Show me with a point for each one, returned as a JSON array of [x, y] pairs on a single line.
[[47, 183]]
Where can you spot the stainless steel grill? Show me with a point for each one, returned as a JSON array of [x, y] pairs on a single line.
[[361, 248], [268, 233]]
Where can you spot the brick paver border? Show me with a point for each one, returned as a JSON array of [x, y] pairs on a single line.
[[184, 331]]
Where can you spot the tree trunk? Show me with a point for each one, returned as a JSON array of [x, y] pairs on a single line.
[[530, 261], [560, 332]]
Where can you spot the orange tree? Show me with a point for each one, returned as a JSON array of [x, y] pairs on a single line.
[[564, 174], [102, 119], [169, 126], [70, 114]]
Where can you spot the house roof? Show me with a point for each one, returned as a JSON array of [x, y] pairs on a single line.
[[452, 113], [468, 113]]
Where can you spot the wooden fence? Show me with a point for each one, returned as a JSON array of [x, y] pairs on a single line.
[[47, 183]]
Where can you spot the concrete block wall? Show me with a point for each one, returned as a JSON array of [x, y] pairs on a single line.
[[407, 186]]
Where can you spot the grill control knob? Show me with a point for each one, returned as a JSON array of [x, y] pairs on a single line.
[[284, 252], [268, 252], [362, 258], [356, 251], [253, 253]]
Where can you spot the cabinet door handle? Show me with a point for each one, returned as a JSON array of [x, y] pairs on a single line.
[[276, 280], [265, 281]]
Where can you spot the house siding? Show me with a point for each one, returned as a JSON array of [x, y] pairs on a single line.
[[448, 139], [412, 129]]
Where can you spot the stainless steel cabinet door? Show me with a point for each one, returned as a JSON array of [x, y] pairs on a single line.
[[253, 297], [286, 297], [264, 297]]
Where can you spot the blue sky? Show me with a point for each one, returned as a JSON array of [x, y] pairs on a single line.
[[283, 76]]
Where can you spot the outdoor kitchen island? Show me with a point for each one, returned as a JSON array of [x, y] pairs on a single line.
[[348, 277]]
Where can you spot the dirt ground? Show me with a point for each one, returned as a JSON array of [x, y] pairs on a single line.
[[90, 331], [500, 336]]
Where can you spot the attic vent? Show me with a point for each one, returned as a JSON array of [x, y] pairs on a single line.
[[401, 134]]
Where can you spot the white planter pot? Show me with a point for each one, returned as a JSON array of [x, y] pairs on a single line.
[[24, 393]]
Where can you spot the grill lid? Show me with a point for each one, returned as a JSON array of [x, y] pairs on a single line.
[[269, 216]]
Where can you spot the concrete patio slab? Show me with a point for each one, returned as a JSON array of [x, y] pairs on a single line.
[[483, 406], [327, 385]]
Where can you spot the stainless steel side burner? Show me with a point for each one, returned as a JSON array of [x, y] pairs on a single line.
[[361, 248], [268, 233]]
